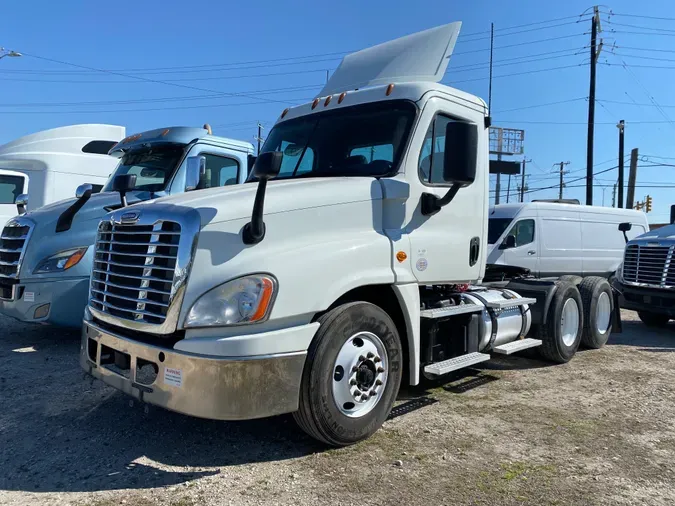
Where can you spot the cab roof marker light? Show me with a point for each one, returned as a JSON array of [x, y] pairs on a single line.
[[342, 97], [328, 99], [390, 88], [165, 132], [207, 127], [285, 112], [315, 103]]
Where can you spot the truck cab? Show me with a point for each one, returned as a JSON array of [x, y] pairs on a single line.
[[646, 277], [352, 265], [52, 163], [46, 255]]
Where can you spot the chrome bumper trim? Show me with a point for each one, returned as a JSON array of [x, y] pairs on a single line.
[[220, 388]]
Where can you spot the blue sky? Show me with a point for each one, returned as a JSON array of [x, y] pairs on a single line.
[[252, 49]]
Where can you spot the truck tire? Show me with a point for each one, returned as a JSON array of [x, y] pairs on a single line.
[[561, 334], [653, 319], [352, 374], [575, 280], [596, 297]]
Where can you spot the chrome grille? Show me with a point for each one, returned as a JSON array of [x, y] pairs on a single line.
[[13, 241], [134, 269], [649, 265]]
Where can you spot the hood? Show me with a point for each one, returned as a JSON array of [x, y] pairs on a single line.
[[667, 233], [236, 202], [94, 209]]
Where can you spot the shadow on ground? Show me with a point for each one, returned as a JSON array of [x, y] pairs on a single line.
[[60, 431], [637, 334]]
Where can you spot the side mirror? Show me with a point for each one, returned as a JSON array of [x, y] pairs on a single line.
[[195, 169], [123, 184], [459, 164], [460, 153], [672, 214], [84, 190], [625, 227], [21, 203], [266, 166], [509, 242]]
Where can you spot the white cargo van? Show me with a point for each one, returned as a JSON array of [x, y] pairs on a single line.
[[553, 239]]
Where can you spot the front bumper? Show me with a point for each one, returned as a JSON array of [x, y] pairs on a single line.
[[220, 388], [66, 298], [652, 300]]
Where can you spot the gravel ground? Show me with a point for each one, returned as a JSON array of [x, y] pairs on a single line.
[[598, 430]]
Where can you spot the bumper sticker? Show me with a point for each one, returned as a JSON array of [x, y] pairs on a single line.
[[173, 377], [29, 296]]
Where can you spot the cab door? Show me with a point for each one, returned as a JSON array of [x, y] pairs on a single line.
[[12, 184], [450, 245], [520, 247], [224, 167]]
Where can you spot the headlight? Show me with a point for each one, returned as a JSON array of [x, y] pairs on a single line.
[[244, 300], [60, 262]]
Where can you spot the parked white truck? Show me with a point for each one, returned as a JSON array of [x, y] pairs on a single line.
[[53, 163], [46, 255], [353, 264]]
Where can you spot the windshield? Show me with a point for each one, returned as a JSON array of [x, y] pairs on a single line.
[[362, 140], [496, 227], [153, 166], [10, 188]]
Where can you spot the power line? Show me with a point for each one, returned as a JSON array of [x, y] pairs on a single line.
[[529, 43], [155, 100], [542, 105], [640, 16], [642, 27], [155, 81], [517, 74], [514, 61]]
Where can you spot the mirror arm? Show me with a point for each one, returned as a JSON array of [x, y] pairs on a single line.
[[254, 231], [21, 209], [431, 204], [625, 236], [66, 219]]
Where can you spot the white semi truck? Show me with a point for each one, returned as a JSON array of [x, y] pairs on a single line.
[[352, 264]]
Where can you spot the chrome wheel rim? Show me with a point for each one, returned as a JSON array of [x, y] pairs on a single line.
[[360, 374], [569, 322], [603, 313]]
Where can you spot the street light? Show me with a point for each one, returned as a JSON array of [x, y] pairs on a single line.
[[13, 54]]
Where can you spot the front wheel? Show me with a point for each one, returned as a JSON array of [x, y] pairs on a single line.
[[561, 334], [653, 319], [352, 375]]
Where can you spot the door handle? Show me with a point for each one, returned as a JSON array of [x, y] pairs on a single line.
[[531, 252]]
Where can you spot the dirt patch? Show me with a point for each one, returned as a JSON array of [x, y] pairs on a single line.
[[596, 431]]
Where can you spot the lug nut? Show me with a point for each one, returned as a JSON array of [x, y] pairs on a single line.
[[354, 369], [380, 369], [361, 358], [373, 393], [377, 359], [370, 354], [357, 392], [378, 382], [364, 397], [352, 382]]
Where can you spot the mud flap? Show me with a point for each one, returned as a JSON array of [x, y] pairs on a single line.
[[617, 326]]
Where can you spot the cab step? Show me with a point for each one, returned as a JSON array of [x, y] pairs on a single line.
[[444, 312], [518, 345], [507, 303], [452, 364]]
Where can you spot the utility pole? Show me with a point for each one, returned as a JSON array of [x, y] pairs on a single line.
[[595, 52], [259, 137], [562, 173], [508, 190], [632, 174], [614, 196], [498, 185], [522, 181], [621, 127]]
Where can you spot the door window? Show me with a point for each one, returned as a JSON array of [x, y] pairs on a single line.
[[431, 157], [523, 231], [220, 171], [10, 188]]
